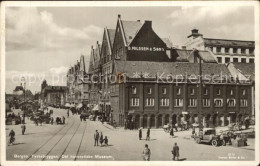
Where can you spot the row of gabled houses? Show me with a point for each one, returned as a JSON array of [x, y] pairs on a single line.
[[136, 76]]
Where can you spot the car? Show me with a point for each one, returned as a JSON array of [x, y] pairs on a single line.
[[208, 135]]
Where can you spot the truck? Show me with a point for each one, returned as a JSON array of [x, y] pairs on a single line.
[[208, 135]]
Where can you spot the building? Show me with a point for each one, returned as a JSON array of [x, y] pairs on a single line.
[[225, 50], [141, 78], [77, 84], [53, 95]]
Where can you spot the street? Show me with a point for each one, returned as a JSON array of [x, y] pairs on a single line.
[[75, 141]]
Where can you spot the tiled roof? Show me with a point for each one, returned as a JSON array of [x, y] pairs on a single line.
[[111, 34], [247, 69], [184, 55], [229, 43], [207, 57], [174, 68], [130, 29]]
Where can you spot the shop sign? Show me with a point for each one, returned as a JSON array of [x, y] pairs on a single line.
[[153, 49]]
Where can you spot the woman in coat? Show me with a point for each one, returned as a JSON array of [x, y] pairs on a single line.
[[101, 140]]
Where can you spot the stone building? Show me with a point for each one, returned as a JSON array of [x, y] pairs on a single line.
[[225, 50]]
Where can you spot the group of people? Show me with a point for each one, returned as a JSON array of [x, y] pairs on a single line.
[[175, 152], [59, 120], [100, 138], [147, 134]]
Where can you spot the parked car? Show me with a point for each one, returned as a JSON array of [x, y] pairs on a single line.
[[208, 135]]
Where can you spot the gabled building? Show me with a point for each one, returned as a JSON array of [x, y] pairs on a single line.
[[225, 50]]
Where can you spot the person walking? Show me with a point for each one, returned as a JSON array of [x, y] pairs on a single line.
[[96, 137], [148, 134], [51, 120], [11, 135], [171, 132], [140, 134], [175, 151], [101, 140], [106, 141], [146, 153], [81, 117], [23, 128], [63, 120]]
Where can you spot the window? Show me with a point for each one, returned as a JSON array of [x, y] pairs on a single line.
[[243, 102], [243, 50], [231, 92], [235, 59], [218, 102], [219, 59], [218, 92], [149, 102], [251, 51], [164, 102], [178, 103], [226, 50], [231, 102], [205, 91], [164, 91], [192, 92], [218, 49], [149, 91], [251, 60], [178, 91], [134, 102], [133, 90], [235, 50], [243, 92], [192, 103], [206, 102], [243, 60], [227, 60]]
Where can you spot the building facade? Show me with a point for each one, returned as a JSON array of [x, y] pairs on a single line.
[[237, 51], [151, 84]]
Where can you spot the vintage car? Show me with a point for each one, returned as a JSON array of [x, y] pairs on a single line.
[[208, 135]]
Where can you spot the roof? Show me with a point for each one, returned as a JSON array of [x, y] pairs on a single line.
[[111, 34], [173, 68], [185, 55], [130, 29], [207, 57], [57, 88], [229, 43], [246, 69], [167, 41], [18, 88]]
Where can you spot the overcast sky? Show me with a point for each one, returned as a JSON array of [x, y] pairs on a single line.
[[42, 42]]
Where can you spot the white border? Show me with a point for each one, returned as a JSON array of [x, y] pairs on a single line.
[[126, 4]]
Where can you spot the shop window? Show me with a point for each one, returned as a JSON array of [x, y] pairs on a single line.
[[218, 102], [178, 103], [231, 102], [192, 103], [243, 102], [133, 90], [206, 102], [164, 91], [164, 102], [134, 102], [149, 102]]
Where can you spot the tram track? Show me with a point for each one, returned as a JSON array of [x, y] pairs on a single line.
[[80, 142]]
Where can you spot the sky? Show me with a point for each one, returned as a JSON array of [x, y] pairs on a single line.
[[42, 43]]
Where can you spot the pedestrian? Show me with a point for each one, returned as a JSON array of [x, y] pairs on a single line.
[[96, 137], [51, 120], [175, 126], [146, 153], [101, 139], [68, 113], [148, 134], [175, 151], [57, 120], [140, 134], [106, 141], [11, 135], [81, 117], [40, 121], [36, 122], [23, 128], [63, 118], [171, 132]]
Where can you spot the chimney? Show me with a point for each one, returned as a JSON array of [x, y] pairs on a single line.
[[138, 20], [119, 16], [148, 23], [194, 31]]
